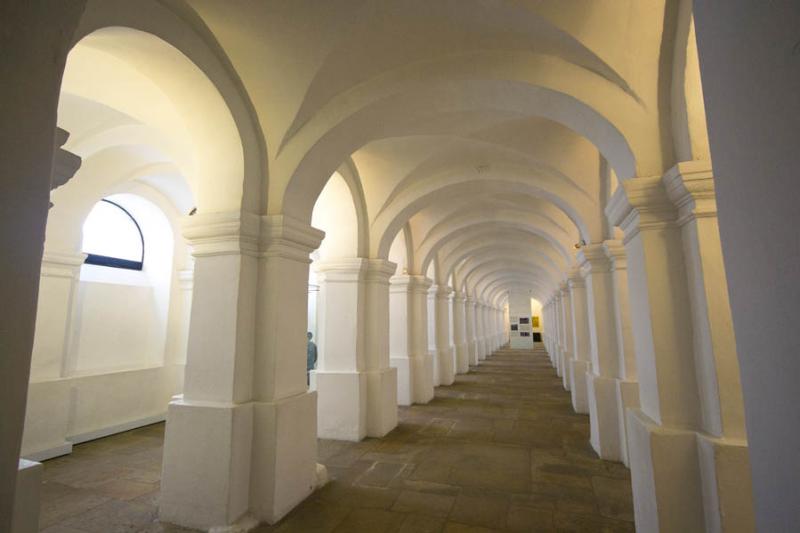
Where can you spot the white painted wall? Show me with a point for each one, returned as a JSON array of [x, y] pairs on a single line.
[[110, 344], [519, 306]]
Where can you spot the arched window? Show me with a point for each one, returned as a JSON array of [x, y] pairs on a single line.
[[112, 237]]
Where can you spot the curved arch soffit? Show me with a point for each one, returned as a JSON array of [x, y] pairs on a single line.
[[404, 113], [391, 221], [181, 29], [487, 225]]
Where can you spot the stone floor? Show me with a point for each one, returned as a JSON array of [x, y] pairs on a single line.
[[500, 450]]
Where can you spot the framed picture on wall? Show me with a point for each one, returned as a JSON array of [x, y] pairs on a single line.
[[524, 333], [535, 321], [514, 327], [524, 320]]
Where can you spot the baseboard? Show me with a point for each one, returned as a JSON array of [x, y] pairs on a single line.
[[118, 428], [66, 447], [50, 453]]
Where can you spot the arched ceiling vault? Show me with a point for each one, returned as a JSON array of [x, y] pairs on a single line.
[[478, 139]]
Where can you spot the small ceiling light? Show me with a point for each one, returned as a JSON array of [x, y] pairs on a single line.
[[580, 244]]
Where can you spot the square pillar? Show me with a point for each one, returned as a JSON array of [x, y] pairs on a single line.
[[284, 464], [460, 333], [381, 377], [579, 364], [51, 358], [245, 396], [445, 351], [431, 327], [566, 334], [722, 443], [400, 340], [340, 379], [472, 341], [422, 362], [216, 407], [686, 442], [481, 331], [626, 384], [604, 416]]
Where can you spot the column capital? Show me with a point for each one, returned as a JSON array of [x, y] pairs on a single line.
[[62, 264], [615, 251], [347, 269], [574, 278], [690, 186], [380, 270], [225, 233], [284, 236], [65, 163], [410, 283], [640, 203], [443, 291], [459, 297], [592, 259]]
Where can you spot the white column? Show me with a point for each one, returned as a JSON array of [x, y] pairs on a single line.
[[472, 341], [445, 351], [460, 333], [340, 378], [566, 335], [557, 339], [604, 416], [422, 361], [284, 468], [381, 377], [400, 342], [687, 442], [722, 441], [216, 407], [51, 358], [481, 331], [431, 326], [492, 318], [487, 330], [579, 364], [245, 394], [409, 339], [626, 387]]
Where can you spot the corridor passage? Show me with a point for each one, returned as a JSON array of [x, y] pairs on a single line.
[[499, 450]]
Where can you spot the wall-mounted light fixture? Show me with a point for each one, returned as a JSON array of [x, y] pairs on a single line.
[[580, 244]]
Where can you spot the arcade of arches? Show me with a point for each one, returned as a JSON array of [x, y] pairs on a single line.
[[190, 186]]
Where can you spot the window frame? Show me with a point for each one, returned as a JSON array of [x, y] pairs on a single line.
[[117, 262]]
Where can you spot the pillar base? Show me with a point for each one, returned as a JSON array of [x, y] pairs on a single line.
[[603, 417], [579, 390], [206, 446], [341, 404], [381, 402], [405, 388], [284, 464], [447, 366], [256, 462], [667, 494], [627, 397], [727, 485], [462, 358], [422, 381]]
